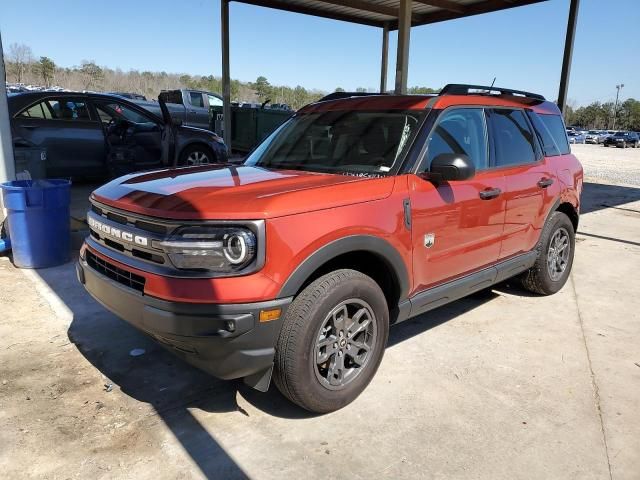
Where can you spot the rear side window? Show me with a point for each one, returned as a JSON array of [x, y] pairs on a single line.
[[39, 110], [58, 109], [196, 99], [461, 131], [513, 139], [557, 130]]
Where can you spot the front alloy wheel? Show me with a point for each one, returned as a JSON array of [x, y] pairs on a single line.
[[344, 343], [332, 340], [197, 157]]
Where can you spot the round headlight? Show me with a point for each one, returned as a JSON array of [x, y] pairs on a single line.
[[238, 246]]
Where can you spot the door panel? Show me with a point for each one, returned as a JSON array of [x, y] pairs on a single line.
[[467, 230], [198, 110], [74, 142], [456, 226], [527, 204], [529, 180], [132, 135]]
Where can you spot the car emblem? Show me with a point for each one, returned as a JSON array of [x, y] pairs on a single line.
[[429, 240]]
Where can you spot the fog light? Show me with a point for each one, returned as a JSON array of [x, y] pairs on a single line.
[[270, 315], [230, 326]]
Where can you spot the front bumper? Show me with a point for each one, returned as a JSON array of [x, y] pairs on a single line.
[[227, 341]]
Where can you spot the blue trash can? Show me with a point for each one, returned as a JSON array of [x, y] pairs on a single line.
[[38, 221]]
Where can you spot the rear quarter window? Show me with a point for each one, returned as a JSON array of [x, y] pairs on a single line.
[[556, 129]]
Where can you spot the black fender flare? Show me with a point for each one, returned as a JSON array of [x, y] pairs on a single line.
[[353, 243]]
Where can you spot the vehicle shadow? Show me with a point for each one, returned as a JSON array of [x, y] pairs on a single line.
[[157, 378], [599, 196]]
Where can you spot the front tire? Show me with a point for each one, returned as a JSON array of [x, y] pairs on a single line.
[[332, 341], [555, 257], [195, 155]]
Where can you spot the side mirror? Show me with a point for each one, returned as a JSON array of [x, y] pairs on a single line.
[[449, 167]]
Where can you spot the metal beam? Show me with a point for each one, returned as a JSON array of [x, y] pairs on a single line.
[[307, 10], [226, 75], [404, 36], [473, 9], [384, 61], [568, 54], [444, 4], [7, 165], [365, 7]]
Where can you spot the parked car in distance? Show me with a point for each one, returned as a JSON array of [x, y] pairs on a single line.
[[354, 215], [96, 135], [191, 107], [280, 106], [130, 96], [576, 137], [623, 140], [595, 137]]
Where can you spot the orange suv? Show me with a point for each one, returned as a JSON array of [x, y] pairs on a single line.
[[359, 212]]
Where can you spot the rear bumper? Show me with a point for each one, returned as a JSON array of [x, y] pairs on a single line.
[[227, 341]]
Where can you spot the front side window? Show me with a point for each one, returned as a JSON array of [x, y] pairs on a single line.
[[58, 109], [367, 143], [513, 139], [214, 101], [461, 131], [114, 111]]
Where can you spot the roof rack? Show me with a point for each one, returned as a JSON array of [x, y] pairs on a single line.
[[462, 89], [338, 95]]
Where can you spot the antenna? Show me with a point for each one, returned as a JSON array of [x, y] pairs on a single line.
[[494, 82]]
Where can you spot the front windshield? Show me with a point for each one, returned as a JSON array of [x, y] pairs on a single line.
[[367, 143]]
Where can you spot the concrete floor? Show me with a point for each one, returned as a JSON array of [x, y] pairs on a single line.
[[501, 385]]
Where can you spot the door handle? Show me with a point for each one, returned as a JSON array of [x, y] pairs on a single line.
[[490, 193], [30, 127], [545, 182]]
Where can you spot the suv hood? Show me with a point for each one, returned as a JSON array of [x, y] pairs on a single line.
[[236, 193]]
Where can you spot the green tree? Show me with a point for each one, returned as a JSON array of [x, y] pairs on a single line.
[[421, 90], [361, 89], [46, 70], [262, 88], [92, 73], [339, 89]]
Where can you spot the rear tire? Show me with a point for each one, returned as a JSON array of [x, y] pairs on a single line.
[[555, 257], [332, 341]]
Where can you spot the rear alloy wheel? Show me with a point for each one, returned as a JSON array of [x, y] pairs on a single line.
[[196, 155], [332, 341], [555, 257], [558, 254]]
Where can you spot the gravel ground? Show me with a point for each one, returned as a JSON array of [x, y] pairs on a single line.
[[609, 165]]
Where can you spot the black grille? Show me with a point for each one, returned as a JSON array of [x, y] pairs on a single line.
[[121, 276]]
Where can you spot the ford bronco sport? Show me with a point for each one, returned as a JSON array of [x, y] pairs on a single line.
[[356, 214]]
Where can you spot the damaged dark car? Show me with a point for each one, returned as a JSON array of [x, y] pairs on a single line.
[[90, 135]]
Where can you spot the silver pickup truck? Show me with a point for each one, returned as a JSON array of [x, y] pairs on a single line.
[[193, 107]]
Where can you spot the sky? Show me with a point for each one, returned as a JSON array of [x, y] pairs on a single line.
[[522, 47]]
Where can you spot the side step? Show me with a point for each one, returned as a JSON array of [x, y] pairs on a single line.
[[442, 294]]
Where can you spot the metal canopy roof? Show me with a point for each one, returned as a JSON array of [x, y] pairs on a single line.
[[379, 13]]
